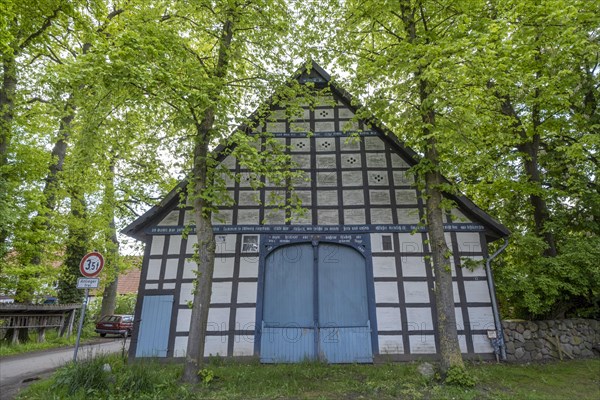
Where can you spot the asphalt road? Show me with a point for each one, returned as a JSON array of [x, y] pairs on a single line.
[[18, 371]]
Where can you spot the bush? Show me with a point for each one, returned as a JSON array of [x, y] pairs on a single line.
[[458, 376]]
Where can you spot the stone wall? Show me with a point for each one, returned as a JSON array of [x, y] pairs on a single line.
[[546, 340]]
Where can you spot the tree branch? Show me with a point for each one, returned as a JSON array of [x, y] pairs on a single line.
[[41, 30]]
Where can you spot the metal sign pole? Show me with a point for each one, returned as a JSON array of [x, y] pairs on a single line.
[[81, 318]]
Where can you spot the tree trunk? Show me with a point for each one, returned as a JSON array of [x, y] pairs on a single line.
[[202, 217], [450, 355], [109, 297], [77, 247], [7, 107], [206, 255], [530, 149]]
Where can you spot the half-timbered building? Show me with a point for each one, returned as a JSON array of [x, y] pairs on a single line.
[[349, 280]]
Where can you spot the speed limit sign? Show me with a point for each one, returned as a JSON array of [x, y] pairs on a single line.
[[91, 264]]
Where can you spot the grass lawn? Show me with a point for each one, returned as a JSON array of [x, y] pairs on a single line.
[[579, 379], [52, 341]]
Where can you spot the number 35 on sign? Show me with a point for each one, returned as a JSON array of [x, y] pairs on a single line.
[[91, 264]]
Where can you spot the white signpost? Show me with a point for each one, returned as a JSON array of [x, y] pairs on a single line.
[[90, 266]]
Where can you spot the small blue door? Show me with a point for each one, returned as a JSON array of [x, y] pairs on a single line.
[[315, 305], [153, 336]]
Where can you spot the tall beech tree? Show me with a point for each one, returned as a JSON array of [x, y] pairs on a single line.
[[409, 58], [540, 61], [204, 64]]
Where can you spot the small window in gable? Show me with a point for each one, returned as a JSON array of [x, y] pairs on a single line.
[[250, 244], [386, 242]]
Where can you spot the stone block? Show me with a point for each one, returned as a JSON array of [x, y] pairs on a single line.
[[510, 347], [519, 337], [519, 353], [520, 328], [527, 334], [564, 338], [529, 346], [587, 353]]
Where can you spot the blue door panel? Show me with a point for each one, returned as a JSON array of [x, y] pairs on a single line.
[[153, 337], [289, 286], [288, 333], [342, 286], [287, 345], [346, 345]]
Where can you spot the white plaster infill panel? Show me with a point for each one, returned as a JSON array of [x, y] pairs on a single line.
[[328, 217], [327, 198], [422, 344], [350, 143], [388, 319], [189, 269], [468, 241], [215, 346], [218, 320], [171, 268], [191, 241], [245, 319], [408, 215], [381, 215], [184, 315], [154, 267], [419, 319], [373, 143], [352, 178], [481, 344], [174, 244], [376, 160], [410, 243], [249, 267], [180, 347], [243, 345], [157, 246], [186, 293], [416, 292], [386, 292], [171, 219], [354, 216], [481, 318], [223, 267], [221, 292], [413, 266], [478, 271], [391, 344], [477, 291], [353, 197], [399, 162], [384, 267], [247, 292]]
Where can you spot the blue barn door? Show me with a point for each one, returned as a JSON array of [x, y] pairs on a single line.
[[288, 329], [344, 330], [315, 305], [153, 336]]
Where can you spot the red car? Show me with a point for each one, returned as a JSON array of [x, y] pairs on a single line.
[[115, 325]]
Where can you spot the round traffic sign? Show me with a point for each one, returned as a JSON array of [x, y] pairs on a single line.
[[91, 264]]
